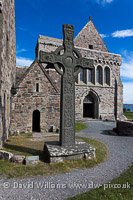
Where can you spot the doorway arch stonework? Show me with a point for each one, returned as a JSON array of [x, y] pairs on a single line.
[[92, 96]]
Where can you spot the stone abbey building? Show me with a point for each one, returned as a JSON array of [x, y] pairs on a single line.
[[30, 101], [7, 65]]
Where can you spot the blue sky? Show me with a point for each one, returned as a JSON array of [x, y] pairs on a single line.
[[112, 18]]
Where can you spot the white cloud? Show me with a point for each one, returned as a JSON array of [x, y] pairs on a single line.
[[21, 61], [20, 50], [127, 65], [103, 2], [104, 35], [123, 33], [128, 92], [127, 74]]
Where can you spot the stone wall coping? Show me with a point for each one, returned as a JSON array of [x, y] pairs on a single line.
[[22, 67], [58, 42], [48, 42], [95, 86], [93, 50], [118, 56], [44, 71], [50, 38]]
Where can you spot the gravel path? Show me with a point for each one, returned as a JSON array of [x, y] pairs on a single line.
[[62, 186]]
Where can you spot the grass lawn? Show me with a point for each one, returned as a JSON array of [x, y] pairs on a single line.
[[125, 180], [24, 144], [79, 127], [129, 115]]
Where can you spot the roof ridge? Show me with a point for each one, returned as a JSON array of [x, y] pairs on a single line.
[[49, 38], [47, 75], [25, 73], [98, 32], [90, 21], [44, 71]]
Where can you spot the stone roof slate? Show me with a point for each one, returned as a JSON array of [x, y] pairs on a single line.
[[90, 36], [20, 70], [87, 36], [23, 71], [50, 40]]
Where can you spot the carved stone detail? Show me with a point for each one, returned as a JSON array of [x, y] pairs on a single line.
[[71, 68]]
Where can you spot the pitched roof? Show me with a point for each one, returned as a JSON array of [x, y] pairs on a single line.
[[87, 36], [50, 40], [90, 36], [20, 70], [44, 71]]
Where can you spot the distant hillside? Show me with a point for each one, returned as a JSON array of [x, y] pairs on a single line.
[[127, 104]]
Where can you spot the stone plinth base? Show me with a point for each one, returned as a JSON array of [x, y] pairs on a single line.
[[55, 153]]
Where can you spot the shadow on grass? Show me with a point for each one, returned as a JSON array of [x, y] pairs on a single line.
[[26, 150]]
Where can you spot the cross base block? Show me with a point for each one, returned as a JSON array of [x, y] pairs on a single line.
[[54, 153]]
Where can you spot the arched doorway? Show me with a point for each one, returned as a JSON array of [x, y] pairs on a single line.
[[90, 106], [36, 121]]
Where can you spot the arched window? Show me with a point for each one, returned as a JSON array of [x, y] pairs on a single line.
[[37, 87], [89, 75], [99, 75], [107, 76], [81, 75]]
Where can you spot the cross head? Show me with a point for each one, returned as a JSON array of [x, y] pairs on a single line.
[[68, 62]]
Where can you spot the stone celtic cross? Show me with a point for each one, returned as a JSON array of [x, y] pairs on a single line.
[[67, 61]]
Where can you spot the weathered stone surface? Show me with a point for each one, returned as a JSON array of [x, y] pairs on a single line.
[[72, 62], [18, 159], [108, 99], [32, 160], [16, 133], [56, 153], [90, 36], [125, 128], [45, 101], [7, 65], [5, 155]]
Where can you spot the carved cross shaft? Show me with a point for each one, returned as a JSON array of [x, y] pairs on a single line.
[[71, 62]]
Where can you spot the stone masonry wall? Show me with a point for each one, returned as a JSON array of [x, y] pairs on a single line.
[[7, 64], [56, 78], [90, 36], [27, 100], [119, 99], [108, 95], [108, 98], [105, 101]]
